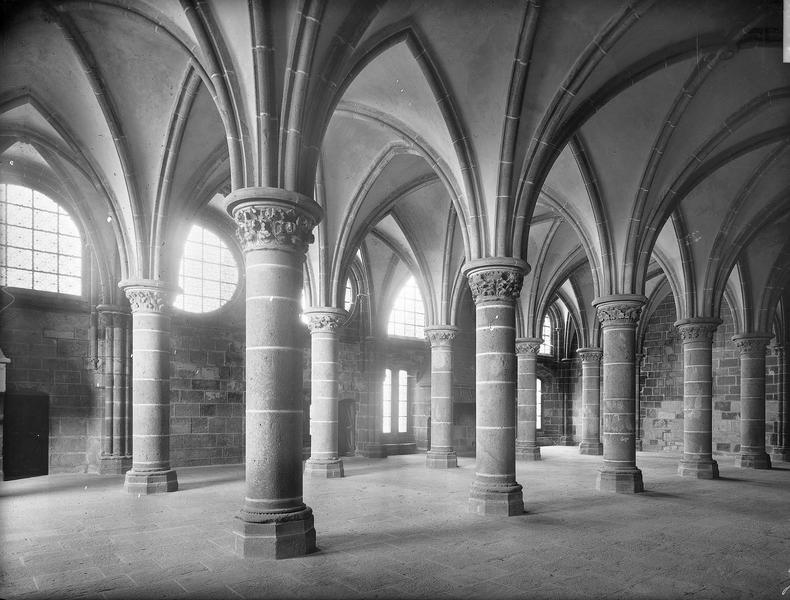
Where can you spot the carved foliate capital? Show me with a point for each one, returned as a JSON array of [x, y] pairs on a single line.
[[528, 345], [271, 218], [496, 279], [623, 308], [147, 296], [697, 330], [753, 344], [273, 227], [325, 320], [441, 335], [591, 355]]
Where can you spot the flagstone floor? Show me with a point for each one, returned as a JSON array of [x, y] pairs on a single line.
[[393, 529]]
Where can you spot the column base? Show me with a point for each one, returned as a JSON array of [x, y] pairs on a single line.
[[114, 465], [527, 451], [323, 468], [621, 481], [374, 451], [441, 460], [780, 454], [591, 448], [698, 469], [291, 536], [504, 501], [753, 461], [150, 482]]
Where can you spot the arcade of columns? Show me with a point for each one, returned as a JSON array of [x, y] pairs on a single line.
[[275, 227]]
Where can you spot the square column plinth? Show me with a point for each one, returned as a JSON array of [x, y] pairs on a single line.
[[156, 482], [591, 448], [486, 500], [280, 539], [441, 460], [698, 469], [323, 469], [753, 461], [621, 481]]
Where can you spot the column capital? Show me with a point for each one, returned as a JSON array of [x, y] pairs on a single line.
[[528, 345], [147, 295], [273, 218], [619, 307], [325, 319], [752, 343], [697, 329], [441, 335], [492, 279], [590, 354]]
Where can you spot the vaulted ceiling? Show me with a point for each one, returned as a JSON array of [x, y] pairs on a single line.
[[607, 143]]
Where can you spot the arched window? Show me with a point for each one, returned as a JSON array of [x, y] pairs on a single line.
[[348, 300], [396, 402], [40, 245], [546, 347], [407, 318], [209, 274], [538, 404]]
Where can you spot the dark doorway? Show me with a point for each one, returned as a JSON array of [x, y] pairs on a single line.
[[25, 436], [347, 431]]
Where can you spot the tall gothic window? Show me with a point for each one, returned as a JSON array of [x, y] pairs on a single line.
[[395, 408], [407, 318], [209, 274], [546, 346], [40, 245], [538, 404]]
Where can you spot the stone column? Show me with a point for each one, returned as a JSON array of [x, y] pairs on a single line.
[[116, 452], [275, 228], [619, 315], [697, 335], [150, 472], [324, 460], [591, 401], [442, 455], [781, 452], [495, 285], [527, 447], [752, 347]]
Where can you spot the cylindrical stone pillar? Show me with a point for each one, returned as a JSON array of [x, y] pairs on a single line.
[[697, 335], [781, 452], [591, 401], [495, 285], [150, 472], [619, 315], [275, 228], [441, 455], [324, 460], [527, 447], [752, 347]]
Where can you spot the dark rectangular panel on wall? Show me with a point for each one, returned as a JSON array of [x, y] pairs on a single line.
[[25, 436]]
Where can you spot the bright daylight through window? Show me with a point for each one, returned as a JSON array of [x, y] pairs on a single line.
[[40, 245], [209, 274], [407, 318]]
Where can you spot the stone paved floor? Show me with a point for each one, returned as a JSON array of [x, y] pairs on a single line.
[[392, 529]]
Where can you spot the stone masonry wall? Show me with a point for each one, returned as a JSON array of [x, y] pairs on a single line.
[[661, 382], [48, 347], [206, 392]]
